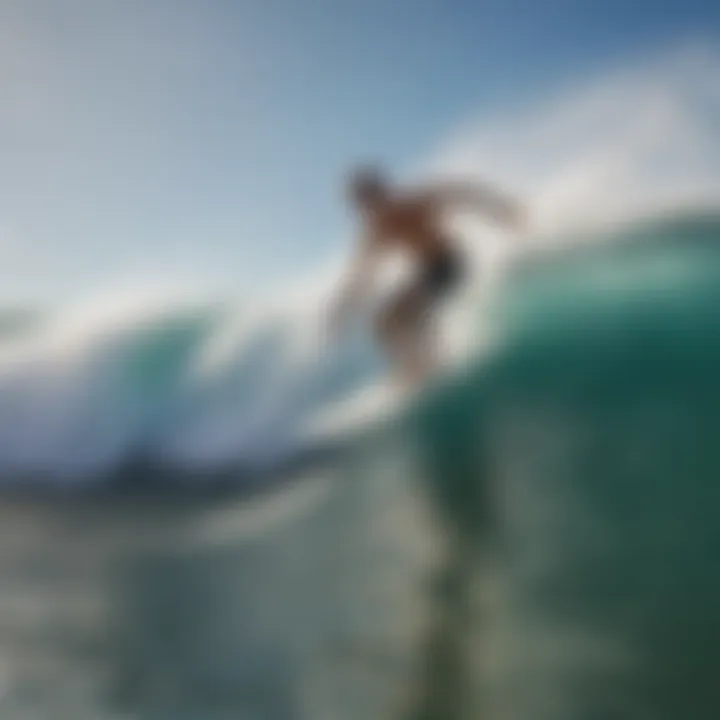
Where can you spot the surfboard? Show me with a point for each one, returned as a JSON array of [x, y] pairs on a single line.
[[367, 407]]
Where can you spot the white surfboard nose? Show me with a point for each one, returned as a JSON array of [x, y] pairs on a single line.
[[372, 404]]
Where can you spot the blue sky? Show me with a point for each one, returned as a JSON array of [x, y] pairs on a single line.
[[167, 139]]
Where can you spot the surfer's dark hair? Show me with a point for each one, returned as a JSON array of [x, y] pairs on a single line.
[[367, 182]]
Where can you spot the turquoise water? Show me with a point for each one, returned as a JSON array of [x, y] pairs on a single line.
[[592, 434], [535, 538]]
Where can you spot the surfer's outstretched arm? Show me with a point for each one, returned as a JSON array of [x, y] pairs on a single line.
[[482, 198]]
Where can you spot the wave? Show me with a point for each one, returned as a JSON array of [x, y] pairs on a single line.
[[187, 385], [181, 384]]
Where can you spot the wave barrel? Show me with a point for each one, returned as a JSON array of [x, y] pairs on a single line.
[[579, 473]]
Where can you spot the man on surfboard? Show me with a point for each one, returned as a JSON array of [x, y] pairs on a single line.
[[411, 220]]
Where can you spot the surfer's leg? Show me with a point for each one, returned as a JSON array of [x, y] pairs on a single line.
[[440, 279], [402, 329], [406, 329]]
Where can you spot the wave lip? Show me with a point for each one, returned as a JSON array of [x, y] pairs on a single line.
[[189, 388]]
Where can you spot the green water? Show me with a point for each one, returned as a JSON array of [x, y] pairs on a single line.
[[309, 602], [537, 540], [586, 458]]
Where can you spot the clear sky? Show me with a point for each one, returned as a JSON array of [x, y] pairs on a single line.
[[207, 139]]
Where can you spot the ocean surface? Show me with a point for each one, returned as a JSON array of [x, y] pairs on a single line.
[[535, 536]]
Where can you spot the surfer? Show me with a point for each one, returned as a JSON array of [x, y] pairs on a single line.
[[411, 220]]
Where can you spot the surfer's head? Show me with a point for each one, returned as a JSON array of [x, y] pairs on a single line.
[[367, 187]]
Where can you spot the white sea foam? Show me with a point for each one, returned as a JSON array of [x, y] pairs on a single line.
[[193, 382]]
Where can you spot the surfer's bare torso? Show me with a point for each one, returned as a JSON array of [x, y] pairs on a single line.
[[411, 223]]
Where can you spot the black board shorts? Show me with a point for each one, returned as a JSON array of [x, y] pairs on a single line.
[[442, 275]]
